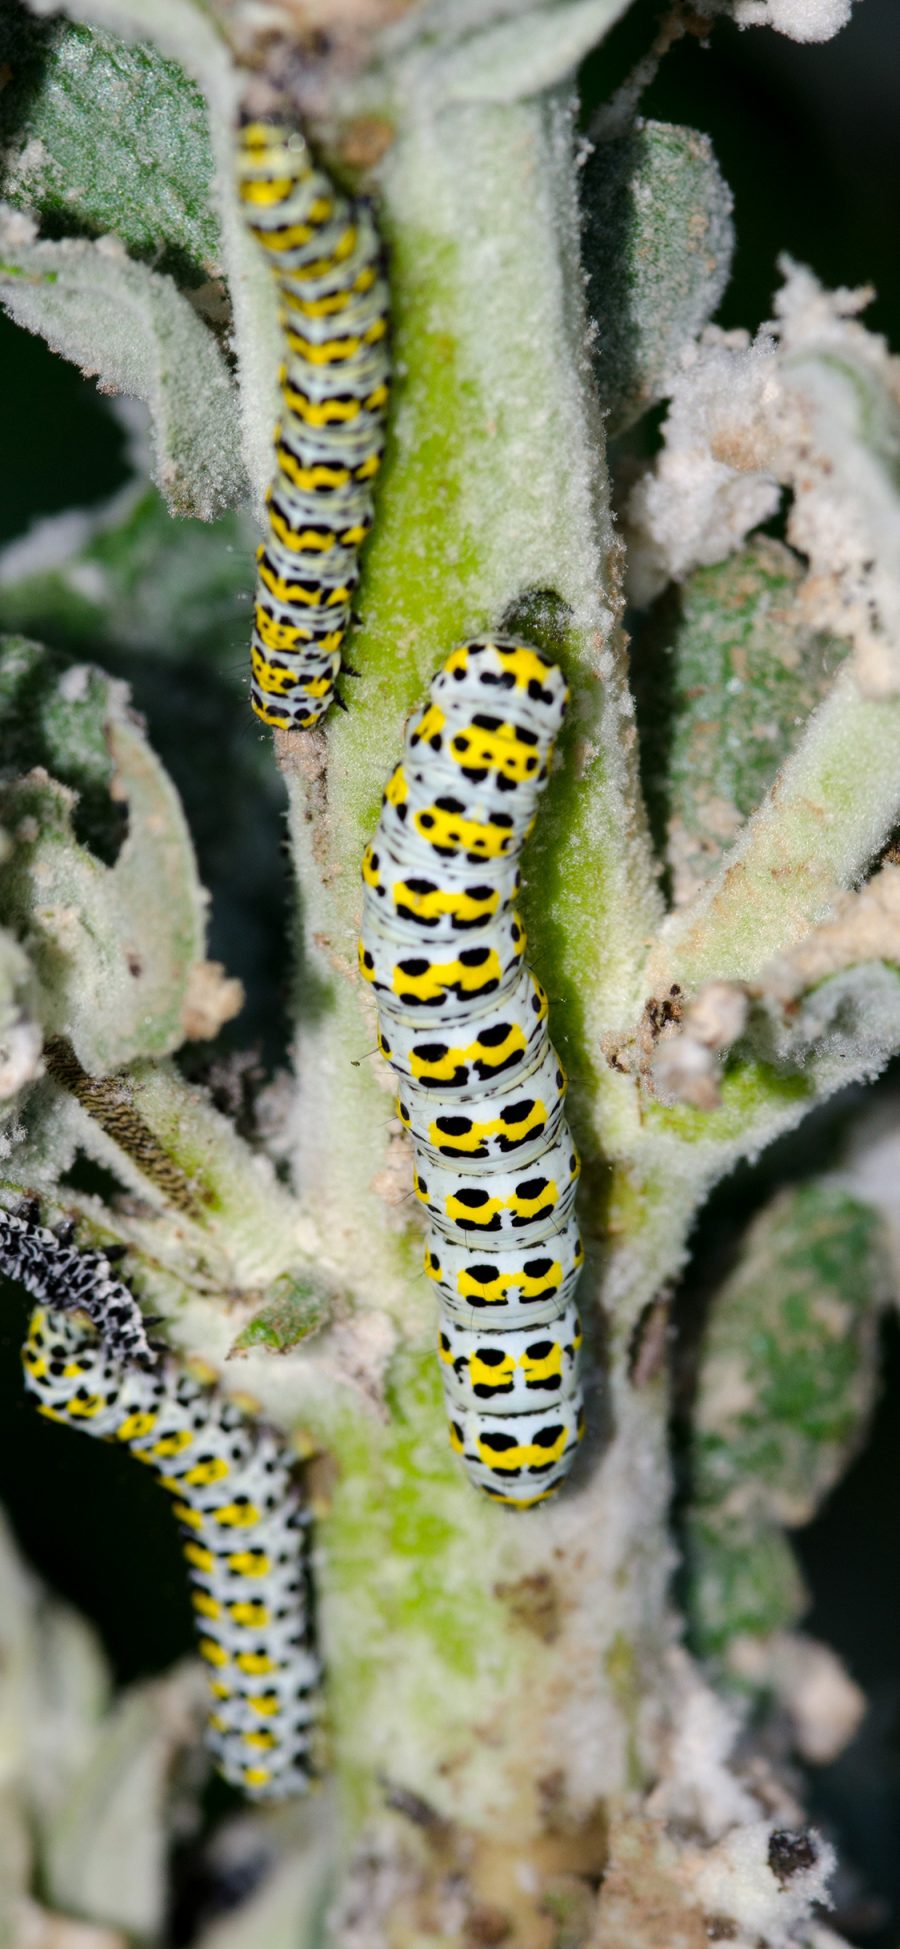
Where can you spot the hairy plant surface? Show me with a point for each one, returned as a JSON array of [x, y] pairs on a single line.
[[527, 1741]]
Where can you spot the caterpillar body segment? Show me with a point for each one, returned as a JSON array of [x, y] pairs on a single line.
[[325, 254], [59, 1273], [500, 672], [410, 972], [463, 1024], [519, 1120], [463, 1050], [244, 1527], [518, 1458], [510, 1205], [512, 1370], [511, 1283], [449, 828]]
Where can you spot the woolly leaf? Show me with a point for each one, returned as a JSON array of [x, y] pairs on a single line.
[[106, 1847], [132, 580], [20, 1036], [113, 947], [99, 135], [658, 242], [744, 1581], [786, 1383], [787, 1367], [60, 725], [166, 604], [131, 328], [510, 59], [54, 1690], [734, 632]]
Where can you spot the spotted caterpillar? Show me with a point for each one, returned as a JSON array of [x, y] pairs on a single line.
[[325, 254], [245, 1531], [463, 1024]]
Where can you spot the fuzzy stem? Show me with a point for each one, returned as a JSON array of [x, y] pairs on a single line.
[[528, 1689], [494, 491]]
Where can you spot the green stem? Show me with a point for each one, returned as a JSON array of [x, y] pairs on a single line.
[[494, 489], [532, 1649]]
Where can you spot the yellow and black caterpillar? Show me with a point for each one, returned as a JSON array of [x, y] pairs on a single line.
[[245, 1530], [325, 253], [463, 1024]]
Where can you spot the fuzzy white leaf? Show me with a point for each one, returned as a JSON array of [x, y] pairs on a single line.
[[112, 946], [131, 329], [811, 404], [106, 1848], [517, 58]]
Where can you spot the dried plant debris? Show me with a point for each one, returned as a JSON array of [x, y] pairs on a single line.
[[800, 20], [812, 404], [755, 1888]]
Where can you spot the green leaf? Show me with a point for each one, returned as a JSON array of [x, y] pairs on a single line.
[[113, 948], [101, 135], [658, 242], [743, 1580], [787, 1365], [135, 582], [132, 329], [297, 1307], [787, 1376], [733, 635]]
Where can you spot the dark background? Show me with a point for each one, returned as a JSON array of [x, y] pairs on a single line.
[[806, 136]]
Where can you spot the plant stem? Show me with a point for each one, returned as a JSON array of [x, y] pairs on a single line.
[[484, 505]]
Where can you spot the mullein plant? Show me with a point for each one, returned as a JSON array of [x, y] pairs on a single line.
[[538, 1728]]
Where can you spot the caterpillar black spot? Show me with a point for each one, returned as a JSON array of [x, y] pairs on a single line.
[[463, 1024], [245, 1530], [325, 253]]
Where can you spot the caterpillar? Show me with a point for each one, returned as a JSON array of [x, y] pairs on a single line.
[[325, 254], [245, 1531], [463, 1025]]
